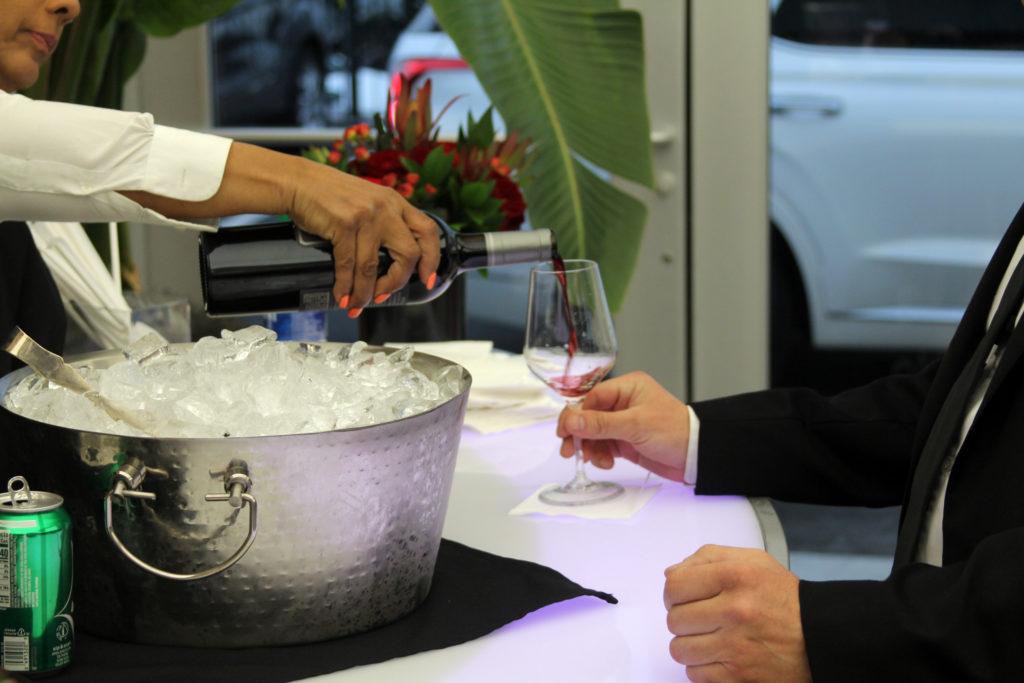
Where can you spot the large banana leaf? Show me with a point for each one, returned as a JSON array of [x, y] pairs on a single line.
[[569, 75]]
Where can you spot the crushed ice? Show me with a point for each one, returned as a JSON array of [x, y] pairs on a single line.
[[244, 383]]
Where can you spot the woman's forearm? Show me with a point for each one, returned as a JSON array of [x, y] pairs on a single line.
[[256, 180], [358, 217]]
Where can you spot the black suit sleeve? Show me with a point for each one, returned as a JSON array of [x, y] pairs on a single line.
[[960, 622], [795, 444]]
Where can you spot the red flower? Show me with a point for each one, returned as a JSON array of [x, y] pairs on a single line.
[[381, 163], [359, 130], [499, 167], [513, 207], [409, 131], [419, 152]]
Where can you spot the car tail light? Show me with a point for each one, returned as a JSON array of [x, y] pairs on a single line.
[[414, 68]]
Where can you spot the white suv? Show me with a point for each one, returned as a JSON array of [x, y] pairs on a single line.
[[897, 160]]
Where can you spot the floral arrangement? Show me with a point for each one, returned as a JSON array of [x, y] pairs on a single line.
[[473, 183]]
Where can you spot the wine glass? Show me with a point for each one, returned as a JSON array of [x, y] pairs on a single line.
[[570, 345]]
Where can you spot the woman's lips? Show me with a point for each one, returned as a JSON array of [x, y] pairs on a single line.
[[43, 41]]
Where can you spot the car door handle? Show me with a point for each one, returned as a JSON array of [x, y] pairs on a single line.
[[806, 105], [664, 136]]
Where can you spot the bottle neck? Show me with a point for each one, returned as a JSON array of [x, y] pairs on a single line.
[[483, 250]]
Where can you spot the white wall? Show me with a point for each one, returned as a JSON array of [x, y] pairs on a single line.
[[729, 196], [696, 311], [172, 84], [651, 325]]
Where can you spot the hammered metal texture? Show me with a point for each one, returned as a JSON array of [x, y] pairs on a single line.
[[349, 526]]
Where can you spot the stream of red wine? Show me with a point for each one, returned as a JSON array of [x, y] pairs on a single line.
[[559, 266], [563, 384]]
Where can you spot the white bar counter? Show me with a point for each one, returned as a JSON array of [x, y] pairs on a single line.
[[584, 639]]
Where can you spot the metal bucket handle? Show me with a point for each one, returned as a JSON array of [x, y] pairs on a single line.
[[130, 476]]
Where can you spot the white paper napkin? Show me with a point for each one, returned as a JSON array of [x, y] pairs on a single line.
[[620, 507], [504, 395]]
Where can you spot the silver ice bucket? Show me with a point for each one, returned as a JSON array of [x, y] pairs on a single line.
[[247, 541]]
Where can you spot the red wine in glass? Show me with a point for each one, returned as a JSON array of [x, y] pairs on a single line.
[[570, 345], [570, 374]]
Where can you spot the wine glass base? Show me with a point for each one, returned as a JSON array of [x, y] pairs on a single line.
[[591, 492]]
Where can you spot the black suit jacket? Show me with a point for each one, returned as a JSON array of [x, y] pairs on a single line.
[[963, 621]]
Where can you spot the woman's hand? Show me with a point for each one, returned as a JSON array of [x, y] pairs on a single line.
[[357, 216], [630, 417], [360, 217]]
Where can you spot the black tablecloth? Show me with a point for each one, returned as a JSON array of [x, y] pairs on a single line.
[[473, 593]]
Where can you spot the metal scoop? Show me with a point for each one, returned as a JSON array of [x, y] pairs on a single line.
[[52, 367]]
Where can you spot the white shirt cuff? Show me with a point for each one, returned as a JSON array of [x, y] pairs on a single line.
[[185, 165], [690, 472]]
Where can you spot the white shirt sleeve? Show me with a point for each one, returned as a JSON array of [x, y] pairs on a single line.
[[690, 472], [66, 162]]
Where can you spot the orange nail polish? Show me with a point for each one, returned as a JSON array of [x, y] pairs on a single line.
[[344, 302], [354, 313], [381, 298], [432, 280]]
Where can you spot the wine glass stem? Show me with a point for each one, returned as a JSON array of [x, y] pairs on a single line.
[[581, 480]]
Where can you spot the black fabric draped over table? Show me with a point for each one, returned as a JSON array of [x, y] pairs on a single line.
[[473, 592], [29, 299]]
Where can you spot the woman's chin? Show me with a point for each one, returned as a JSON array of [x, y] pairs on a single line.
[[19, 75]]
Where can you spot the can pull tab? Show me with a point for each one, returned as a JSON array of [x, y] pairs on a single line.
[[23, 491]]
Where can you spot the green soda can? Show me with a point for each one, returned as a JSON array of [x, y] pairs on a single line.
[[36, 627]]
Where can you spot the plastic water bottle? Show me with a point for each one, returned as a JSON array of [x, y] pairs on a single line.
[[299, 325]]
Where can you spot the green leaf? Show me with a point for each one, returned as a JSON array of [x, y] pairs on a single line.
[[480, 133], [475, 194], [317, 154], [411, 166], [409, 134], [167, 17], [436, 166], [480, 216], [378, 123], [568, 75], [493, 205]]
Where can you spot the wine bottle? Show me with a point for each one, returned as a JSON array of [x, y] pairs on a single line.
[[280, 267]]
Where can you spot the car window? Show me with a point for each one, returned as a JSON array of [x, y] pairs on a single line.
[[941, 24], [307, 63]]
